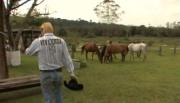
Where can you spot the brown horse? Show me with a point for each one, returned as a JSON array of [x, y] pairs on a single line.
[[90, 47], [109, 50]]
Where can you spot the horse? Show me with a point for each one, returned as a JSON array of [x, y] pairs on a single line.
[[109, 50], [139, 48], [104, 58], [90, 47]]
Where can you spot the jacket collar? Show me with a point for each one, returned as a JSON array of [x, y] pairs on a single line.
[[48, 34]]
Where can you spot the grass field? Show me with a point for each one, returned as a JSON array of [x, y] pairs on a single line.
[[157, 80]]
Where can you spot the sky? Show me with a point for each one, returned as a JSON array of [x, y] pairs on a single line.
[[137, 12]]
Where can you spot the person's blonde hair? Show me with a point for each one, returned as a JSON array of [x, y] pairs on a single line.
[[47, 27]]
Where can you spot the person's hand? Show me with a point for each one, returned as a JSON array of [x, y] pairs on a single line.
[[73, 76]]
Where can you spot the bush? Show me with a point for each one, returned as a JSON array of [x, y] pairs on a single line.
[[150, 43], [90, 36]]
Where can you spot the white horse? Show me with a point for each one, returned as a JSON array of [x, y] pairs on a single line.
[[138, 48]]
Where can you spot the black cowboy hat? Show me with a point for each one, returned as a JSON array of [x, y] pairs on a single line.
[[72, 84]]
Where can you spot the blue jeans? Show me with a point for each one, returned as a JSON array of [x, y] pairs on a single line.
[[51, 83]]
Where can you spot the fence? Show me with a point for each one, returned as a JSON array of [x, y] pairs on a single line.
[[163, 50]]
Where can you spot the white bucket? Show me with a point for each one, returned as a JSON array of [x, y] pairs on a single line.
[[13, 58]]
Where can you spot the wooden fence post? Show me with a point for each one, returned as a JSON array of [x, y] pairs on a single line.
[[73, 50], [175, 48], [160, 50]]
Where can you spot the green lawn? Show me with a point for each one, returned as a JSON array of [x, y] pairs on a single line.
[[157, 80]]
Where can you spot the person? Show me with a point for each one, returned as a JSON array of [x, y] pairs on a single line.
[[108, 42], [52, 55]]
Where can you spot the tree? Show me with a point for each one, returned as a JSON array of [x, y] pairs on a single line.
[[62, 32], [5, 12], [107, 11], [33, 12], [8, 8], [3, 64], [34, 4], [11, 5]]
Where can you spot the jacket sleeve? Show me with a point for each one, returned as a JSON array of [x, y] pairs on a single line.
[[33, 48], [67, 60]]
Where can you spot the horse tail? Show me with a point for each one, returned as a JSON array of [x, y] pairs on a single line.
[[82, 49], [127, 49]]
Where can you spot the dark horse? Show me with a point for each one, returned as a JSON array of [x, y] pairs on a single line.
[[108, 51], [90, 47]]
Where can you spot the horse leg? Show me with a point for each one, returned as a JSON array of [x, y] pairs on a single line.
[[123, 57], [139, 54], [104, 59], [110, 55], [114, 56], [110, 58], [144, 54], [86, 55], [92, 55], [131, 53], [101, 60], [133, 56]]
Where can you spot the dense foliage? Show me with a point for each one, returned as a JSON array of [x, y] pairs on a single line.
[[91, 29]]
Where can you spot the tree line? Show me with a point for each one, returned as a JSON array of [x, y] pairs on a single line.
[[85, 28]]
